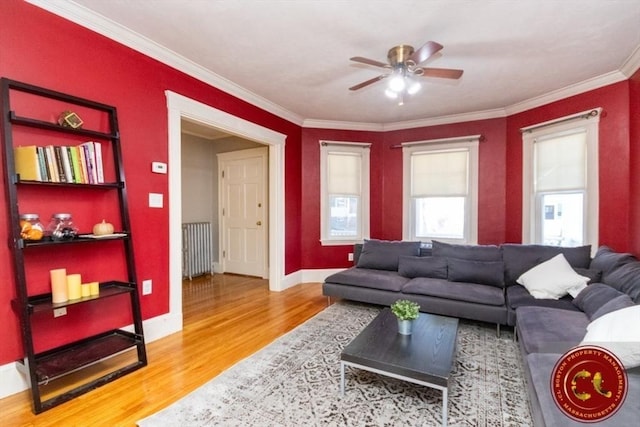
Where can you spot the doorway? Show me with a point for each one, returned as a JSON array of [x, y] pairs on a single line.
[[180, 107]]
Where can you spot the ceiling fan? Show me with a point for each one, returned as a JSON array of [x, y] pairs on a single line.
[[403, 63]]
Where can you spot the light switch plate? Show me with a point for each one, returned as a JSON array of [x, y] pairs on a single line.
[[158, 167], [156, 200]]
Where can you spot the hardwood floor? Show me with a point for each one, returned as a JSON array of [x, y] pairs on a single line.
[[226, 318]]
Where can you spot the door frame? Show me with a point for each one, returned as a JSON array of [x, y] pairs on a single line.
[[180, 107], [223, 158]]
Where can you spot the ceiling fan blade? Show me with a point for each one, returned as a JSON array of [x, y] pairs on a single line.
[[370, 62], [444, 73], [425, 52], [368, 82]]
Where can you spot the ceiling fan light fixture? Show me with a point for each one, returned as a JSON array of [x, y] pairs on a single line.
[[391, 94], [413, 88], [397, 83]]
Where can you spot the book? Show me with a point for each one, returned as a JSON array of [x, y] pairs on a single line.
[[89, 151], [26, 163], [98, 153], [42, 162], [66, 163], [62, 176], [51, 163], [84, 168], [75, 165]]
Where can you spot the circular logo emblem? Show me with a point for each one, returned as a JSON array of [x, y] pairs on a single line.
[[589, 384]]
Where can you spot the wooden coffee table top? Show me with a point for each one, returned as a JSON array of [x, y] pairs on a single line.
[[427, 355]]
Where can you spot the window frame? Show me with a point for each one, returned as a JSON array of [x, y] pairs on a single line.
[[588, 122], [363, 151], [470, 143]]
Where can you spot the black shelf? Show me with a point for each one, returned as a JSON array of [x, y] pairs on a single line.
[[80, 238], [43, 302], [56, 363], [101, 186], [40, 124], [42, 369]]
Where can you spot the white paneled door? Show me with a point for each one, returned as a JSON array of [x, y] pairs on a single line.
[[243, 211]]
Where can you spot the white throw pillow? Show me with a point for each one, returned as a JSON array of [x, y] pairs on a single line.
[[552, 279], [619, 333]]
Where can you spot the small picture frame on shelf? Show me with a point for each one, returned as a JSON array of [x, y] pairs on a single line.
[[70, 119]]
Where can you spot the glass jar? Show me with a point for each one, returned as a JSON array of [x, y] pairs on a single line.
[[30, 227], [61, 227]]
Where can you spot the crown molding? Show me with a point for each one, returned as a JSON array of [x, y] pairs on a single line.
[[566, 92], [108, 28], [119, 33], [632, 64], [338, 125]]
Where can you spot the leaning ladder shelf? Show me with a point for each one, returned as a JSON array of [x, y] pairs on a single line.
[[44, 367]]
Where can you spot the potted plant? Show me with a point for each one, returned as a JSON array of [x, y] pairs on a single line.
[[406, 311]]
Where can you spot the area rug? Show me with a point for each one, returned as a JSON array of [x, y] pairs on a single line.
[[295, 382]]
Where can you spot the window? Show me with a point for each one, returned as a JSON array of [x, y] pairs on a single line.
[[560, 182], [440, 190], [344, 186]]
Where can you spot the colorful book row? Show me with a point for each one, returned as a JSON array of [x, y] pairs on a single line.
[[81, 164]]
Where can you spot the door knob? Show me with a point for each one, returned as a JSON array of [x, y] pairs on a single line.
[[259, 223]]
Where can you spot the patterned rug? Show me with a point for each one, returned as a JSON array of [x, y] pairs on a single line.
[[295, 382]]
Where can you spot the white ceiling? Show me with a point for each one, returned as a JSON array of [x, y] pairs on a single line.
[[292, 57]]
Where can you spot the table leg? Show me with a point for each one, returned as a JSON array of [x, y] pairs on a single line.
[[444, 407], [341, 378]]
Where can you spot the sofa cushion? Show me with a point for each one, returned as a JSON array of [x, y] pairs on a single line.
[[626, 278], [518, 296], [483, 272], [521, 258], [595, 276], [468, 252], [541, 366], [550, 330], [606, 260], [617, 332], [552, 279], [618, 303], [422, 266], [369, 278], [593, 297], [384, 254], [468, 292]]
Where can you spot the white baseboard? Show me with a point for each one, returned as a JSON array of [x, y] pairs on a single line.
[[155, 328], [13, 381]]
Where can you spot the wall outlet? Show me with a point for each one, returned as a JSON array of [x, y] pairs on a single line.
[[60, 312], [147, 287], [350, 256]]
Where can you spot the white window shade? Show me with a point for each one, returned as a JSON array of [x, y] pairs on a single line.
[[439, 173], [344, 172], [560, 162]]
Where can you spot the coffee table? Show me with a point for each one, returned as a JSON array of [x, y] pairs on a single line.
[[425, 357]]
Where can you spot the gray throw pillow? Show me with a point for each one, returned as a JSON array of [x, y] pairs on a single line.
[[483, 272], [468, 252], [519, 259], [618, 303], [607, 260], [593, 297], [626, 279], [423, 266], [384, 254], [595, 276]]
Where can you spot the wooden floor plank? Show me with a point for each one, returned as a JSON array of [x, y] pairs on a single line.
[[226, 319]]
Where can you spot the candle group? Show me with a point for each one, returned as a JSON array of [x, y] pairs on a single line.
[[65, 287]]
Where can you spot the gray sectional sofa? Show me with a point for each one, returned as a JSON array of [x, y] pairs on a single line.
[[483, 282]]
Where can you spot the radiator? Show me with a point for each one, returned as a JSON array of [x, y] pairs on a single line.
[[196, 249]]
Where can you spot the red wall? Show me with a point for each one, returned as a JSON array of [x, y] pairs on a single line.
[[33, 51], [634, 142], [102, 70], [614, 163]]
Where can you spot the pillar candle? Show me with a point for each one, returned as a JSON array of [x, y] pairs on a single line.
[[74, 289], [86, 290], [59, 285], [95, 288]]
